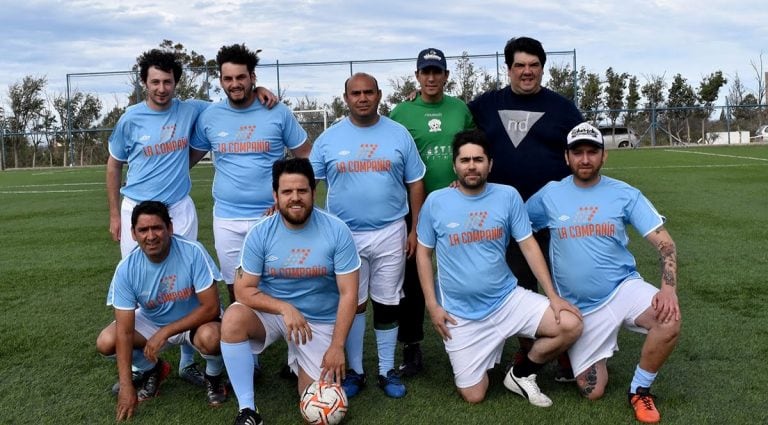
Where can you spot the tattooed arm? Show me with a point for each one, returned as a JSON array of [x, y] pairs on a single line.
[[665, 301]]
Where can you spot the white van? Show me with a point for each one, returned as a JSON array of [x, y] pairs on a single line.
[[619, 137]]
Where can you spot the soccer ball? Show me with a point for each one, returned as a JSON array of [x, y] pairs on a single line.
[[323, 403]]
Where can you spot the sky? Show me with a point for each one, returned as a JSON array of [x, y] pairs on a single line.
[[643, 38]]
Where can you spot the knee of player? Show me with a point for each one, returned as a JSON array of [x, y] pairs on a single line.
[[670, 330], [570, 325], [232, 323], [591, 392], [473, 397], [207, 338], [105, 342]]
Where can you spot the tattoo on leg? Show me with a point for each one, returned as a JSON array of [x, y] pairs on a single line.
[[591, 378]]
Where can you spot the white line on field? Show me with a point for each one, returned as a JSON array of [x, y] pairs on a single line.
[[58, 184], [717, 154], [20, 192], [651, 167]]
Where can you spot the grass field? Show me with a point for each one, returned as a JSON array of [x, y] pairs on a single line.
[[56, 260]]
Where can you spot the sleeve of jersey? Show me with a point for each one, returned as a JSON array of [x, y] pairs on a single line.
[[425, 232], [414, 166], [200, 140], [117, 145], [123, 297], [204, 270], [536, 211], [518, 217], [469, 122], [317, 160], [345, 258], [294, 134], [643, 216], [252, 254]]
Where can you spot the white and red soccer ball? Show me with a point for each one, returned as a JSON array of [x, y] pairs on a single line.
[[323, 403]]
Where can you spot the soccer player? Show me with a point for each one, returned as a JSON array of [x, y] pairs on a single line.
[[152, 137], [297, 281], [587, 214], [475, 304], [164, 293], [432, 118], [367, 160], [246, 138], [526, 125]]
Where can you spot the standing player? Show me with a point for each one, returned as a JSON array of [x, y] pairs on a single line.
[[587, 215], [367, 161], [526, 125], [163, 293], [246, 138], [152, 137], [297, 281], [433, 118], [475, 304]]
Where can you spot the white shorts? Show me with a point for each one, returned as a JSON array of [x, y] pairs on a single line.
[[228, 237], [599, 339], [476, 345], [307, 356], [183, 217], [147, 329], [382, 268]]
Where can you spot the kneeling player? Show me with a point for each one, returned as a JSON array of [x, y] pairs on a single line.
[[587, 215], [475, 304], [163, 293], [297, 280]]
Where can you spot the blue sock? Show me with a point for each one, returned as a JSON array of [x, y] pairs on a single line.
[[642, 378], [386, 342], [139, 362], [187, 355], [354, 343], [239, 361], [213, 364]]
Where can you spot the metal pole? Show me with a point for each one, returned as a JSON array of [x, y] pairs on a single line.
[[2, 147], [277, 71], [69, 126], [575, 85]]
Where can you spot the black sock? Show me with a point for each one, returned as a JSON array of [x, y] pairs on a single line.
[[526, 367]]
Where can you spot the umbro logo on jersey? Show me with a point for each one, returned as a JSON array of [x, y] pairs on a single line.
[[564, 218], [452, 225], [271, 258], [223, 134], [145, 138], [344, 153], [518, 123]]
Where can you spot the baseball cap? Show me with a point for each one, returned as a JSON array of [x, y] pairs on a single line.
[[585, 133], [431, 57]]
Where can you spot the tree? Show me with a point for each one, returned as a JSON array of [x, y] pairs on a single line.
[[467, 82], [708, 92], [561, 80], [680, 97], [757, 66], [590, 101], [79, 115], [338, 108], [312, 122], [615, 84], [402, 87], [43, 124], [27, 102], [633, 99]]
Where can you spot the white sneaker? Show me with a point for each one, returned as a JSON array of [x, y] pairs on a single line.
[[527, 388]]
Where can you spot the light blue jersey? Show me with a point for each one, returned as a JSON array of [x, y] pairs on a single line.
[[588, 236], [300, 266], [165, 292], [367, 169], [155, 144], [470, 235], [245, 143]]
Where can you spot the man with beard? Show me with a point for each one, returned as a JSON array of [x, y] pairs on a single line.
[[476, 304], [246, 138], [367, 160], [297, 281], [587, 214]]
